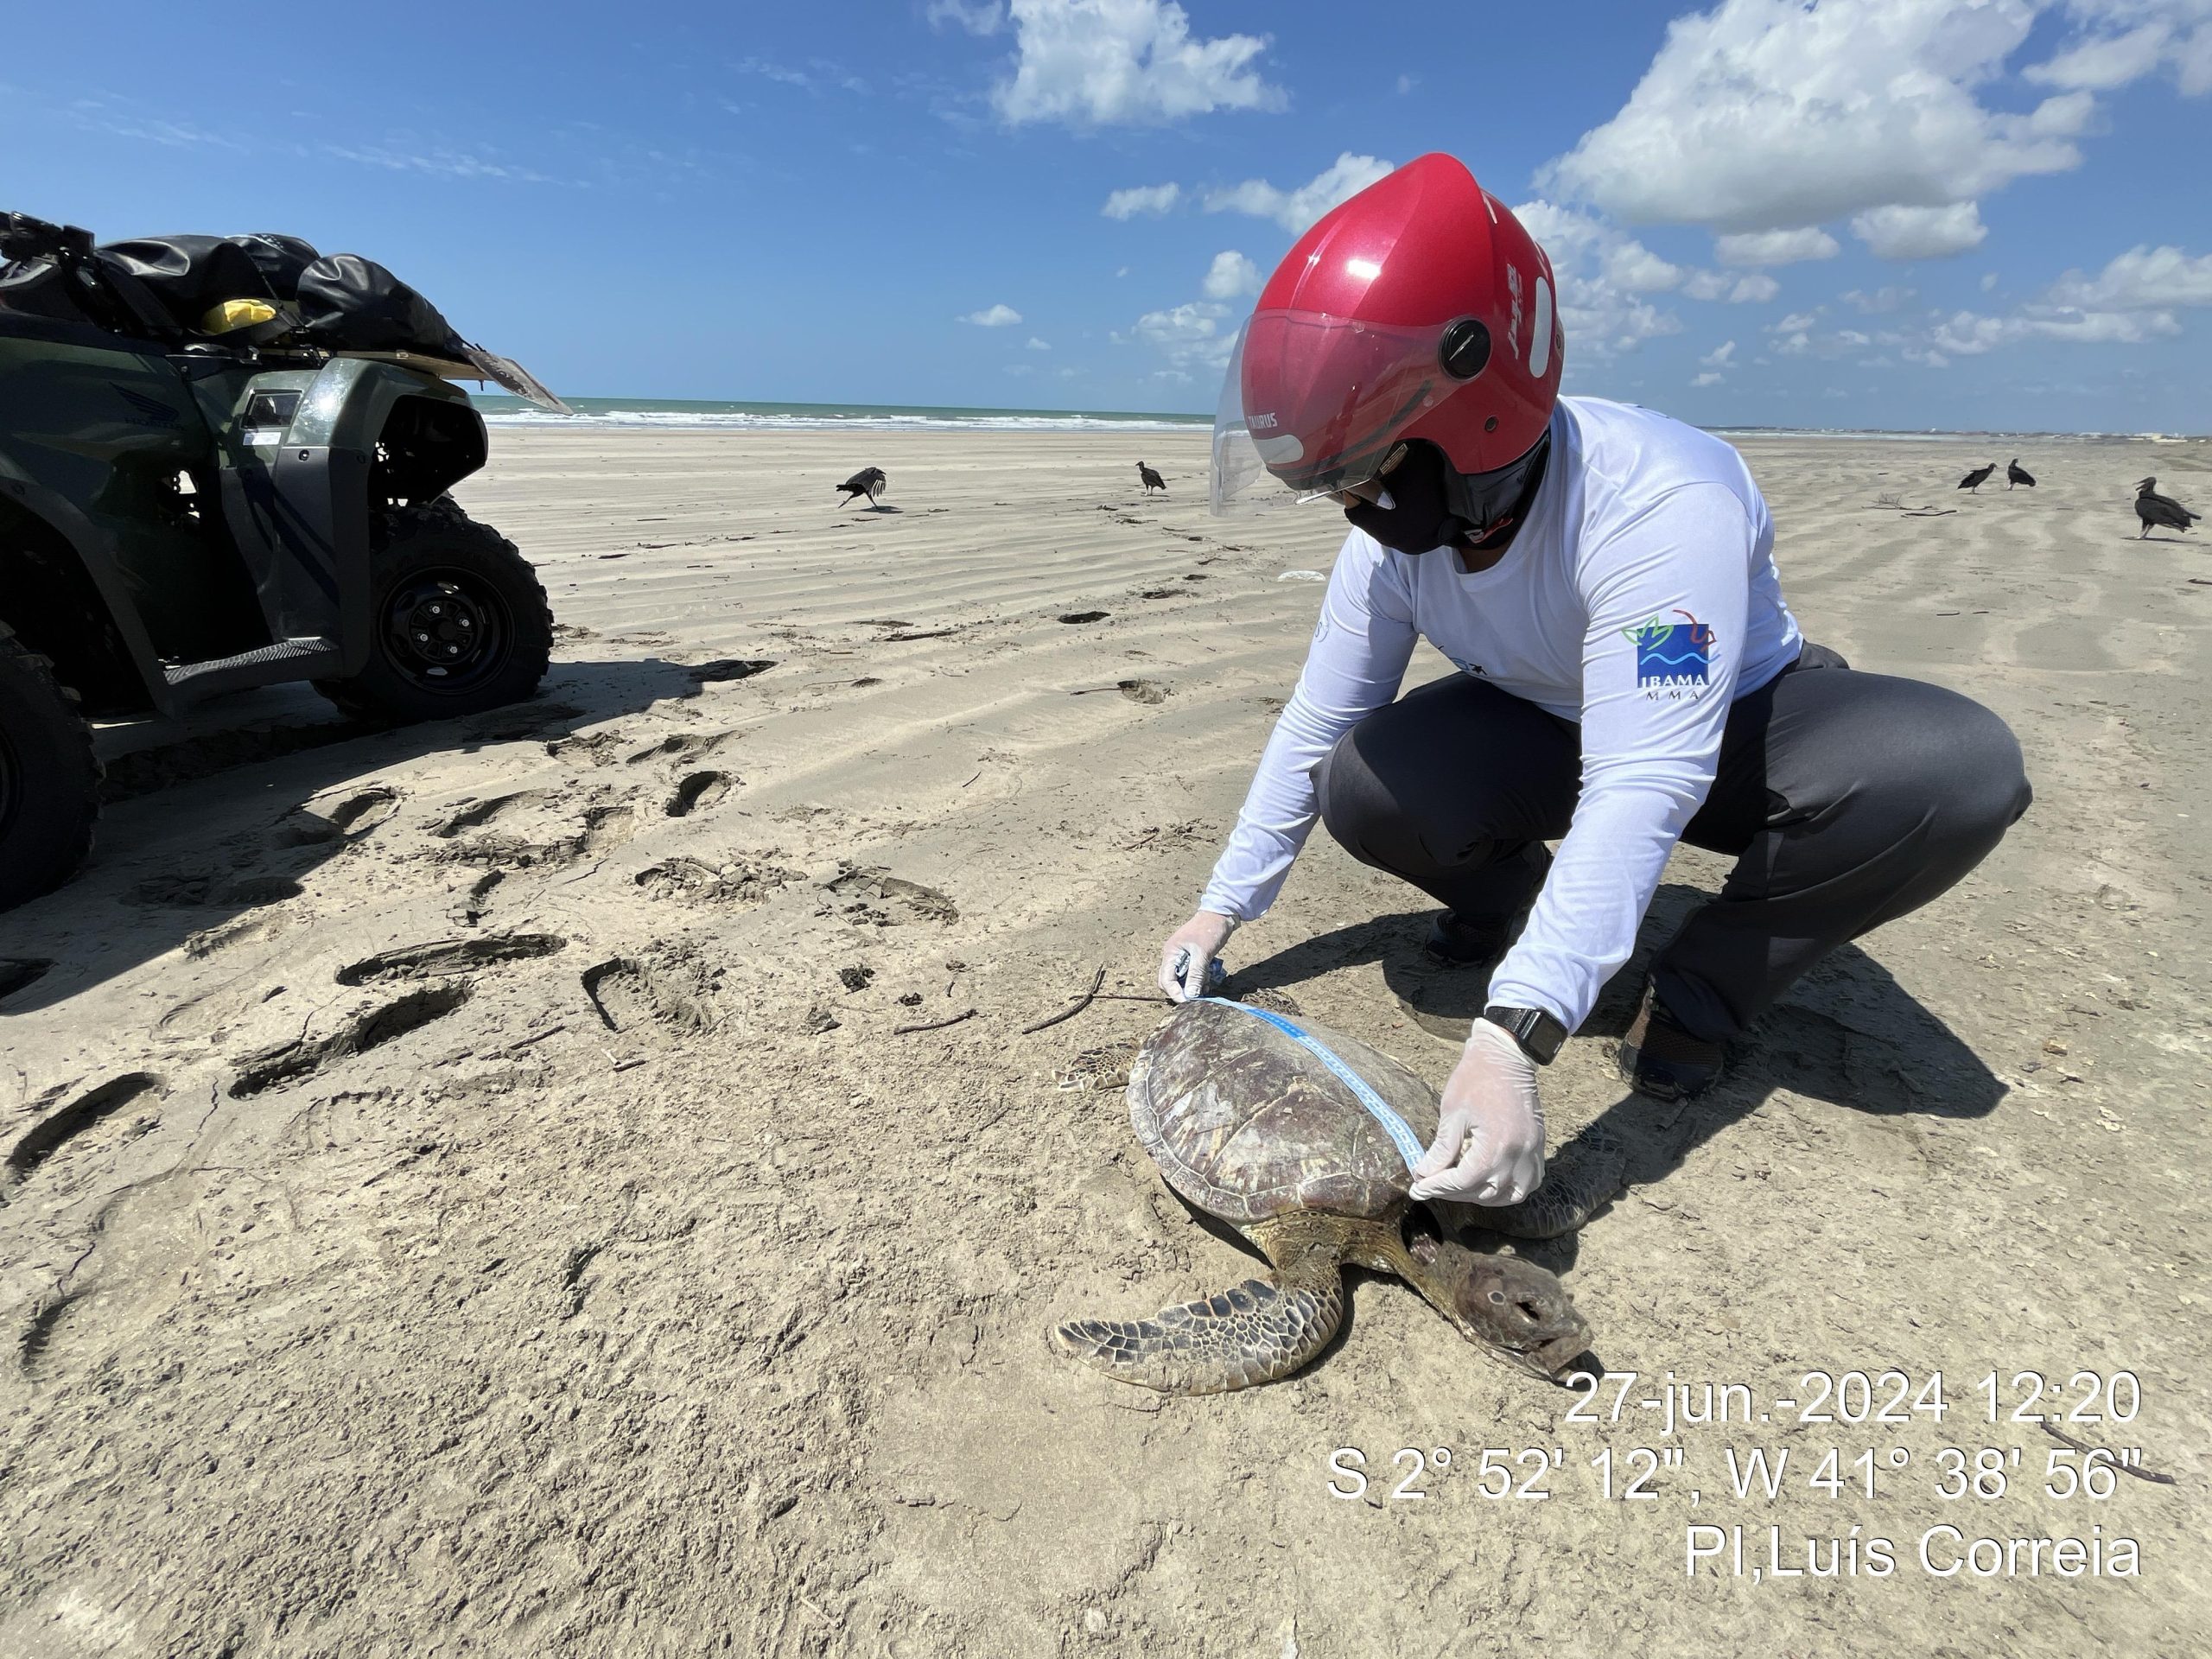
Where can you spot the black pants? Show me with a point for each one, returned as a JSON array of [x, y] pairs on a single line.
[[1847, 800]]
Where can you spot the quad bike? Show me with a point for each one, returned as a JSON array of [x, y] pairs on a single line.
[[224, 463]]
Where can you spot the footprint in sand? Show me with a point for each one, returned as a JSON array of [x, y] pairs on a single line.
[[146, 1243], [725, 668], [742, 882], [72, 1127], [286, 1064], [563, 833], [344, 816], [633, 998], [681, 746], [21, 973], [485, 813], [701, 789], [587, 749], [444, 957], [859, 884]]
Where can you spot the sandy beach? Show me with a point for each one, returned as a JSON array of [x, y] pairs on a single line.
[[573, 1181]]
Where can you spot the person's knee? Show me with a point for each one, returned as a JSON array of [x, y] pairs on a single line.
[[1964, 764], [1356, 804], [1372, 809]]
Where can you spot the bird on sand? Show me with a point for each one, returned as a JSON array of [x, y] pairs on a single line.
[[1150, 480], [2160, 511], [869, 481], [1974, 479], [2016, 474]]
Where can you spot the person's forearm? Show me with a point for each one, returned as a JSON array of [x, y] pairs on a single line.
[[1585, 923]]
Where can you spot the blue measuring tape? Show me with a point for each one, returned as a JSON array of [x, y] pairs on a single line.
[[1400, 1133]]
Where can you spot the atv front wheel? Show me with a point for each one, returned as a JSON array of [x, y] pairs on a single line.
[[457, 620], [49, 782]]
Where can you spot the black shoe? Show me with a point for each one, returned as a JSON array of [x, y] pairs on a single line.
[[1660, 1059], [1452, 943]]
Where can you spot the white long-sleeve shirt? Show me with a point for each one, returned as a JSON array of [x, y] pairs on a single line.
[[1639, 599]]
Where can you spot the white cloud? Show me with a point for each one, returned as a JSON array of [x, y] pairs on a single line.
[[1989, 280], [1296, 209], [1190, 336], [1793, 323], [1763, 115], [1785, 247], [1719, 356], [1920, 233], [1231, 277], [1573, 238], [2140, 279], [823, 74], [1125, 63], [1037, 345], [1708, 378], [1182, 324], [1966, 334], [1636, 268], [2121, 40], [1141, 199], [1598, 309], [1881, 300], [977, 16], [1754, 289], [998, 316], [2103, 62]]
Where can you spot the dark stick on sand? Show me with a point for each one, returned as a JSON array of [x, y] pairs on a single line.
[[934, 1025], [1072, 1009], [2085, 1448]]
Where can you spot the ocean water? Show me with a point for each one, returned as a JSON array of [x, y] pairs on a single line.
[[669, 414]]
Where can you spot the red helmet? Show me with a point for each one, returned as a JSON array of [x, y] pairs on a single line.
[[1420, 309]]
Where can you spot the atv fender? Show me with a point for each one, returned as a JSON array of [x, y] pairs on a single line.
[[299, 501], [92, 549]]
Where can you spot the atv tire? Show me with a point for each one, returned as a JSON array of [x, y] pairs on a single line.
[[49, 780], [457, 622]]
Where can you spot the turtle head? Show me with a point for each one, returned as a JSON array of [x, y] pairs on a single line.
[[1524, 1313], [1517, 1310]]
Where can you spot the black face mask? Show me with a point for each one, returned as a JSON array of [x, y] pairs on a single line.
[[1432, 506]]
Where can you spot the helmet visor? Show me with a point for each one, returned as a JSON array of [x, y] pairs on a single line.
[[1240, 480], [1326, 398]]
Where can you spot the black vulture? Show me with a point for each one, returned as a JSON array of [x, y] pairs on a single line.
[[2160, 510], [2016, 474], [1976, 479], [869, 481], [1150, 480]]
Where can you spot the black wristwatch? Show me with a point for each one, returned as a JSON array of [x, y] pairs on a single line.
[[1539, 1034]]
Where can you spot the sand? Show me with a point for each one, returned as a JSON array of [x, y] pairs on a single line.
[[467, 1193]]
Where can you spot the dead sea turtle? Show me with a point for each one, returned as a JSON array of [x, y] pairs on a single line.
[[1251, 1122]]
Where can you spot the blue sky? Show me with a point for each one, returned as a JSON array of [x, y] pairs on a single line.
[[1898, 214]]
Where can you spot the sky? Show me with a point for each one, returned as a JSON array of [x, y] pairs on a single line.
[[1863, 213]]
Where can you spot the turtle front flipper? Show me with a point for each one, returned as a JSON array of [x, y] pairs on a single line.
[[1258, 1332], [1584, 1176]]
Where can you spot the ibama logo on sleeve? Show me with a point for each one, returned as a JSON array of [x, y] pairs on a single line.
[[1673, 659]]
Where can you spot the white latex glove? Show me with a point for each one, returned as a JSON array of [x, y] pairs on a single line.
[[1489, 1134], [1190, 948]]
